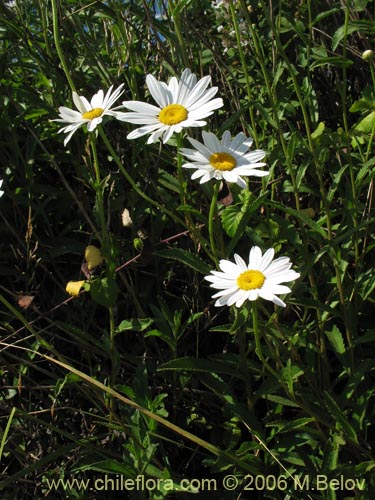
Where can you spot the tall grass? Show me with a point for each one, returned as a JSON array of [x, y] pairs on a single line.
[[141, 374]]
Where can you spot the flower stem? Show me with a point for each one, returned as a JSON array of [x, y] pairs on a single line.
[[245, 71], [180, 175], [106, 244], [211, 221], [258, 346], [99, 191], [55, 23]]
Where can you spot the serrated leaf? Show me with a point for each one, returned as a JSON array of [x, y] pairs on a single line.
[[231, 218], [336, 340], [187, 258]]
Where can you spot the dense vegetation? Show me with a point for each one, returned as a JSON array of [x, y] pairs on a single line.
[[140, 374]]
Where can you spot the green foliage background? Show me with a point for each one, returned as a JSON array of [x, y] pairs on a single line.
[[292, 76]]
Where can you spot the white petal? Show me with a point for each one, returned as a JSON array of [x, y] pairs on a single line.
[[231, 176], [139, 132], [110, 99], [225, 292], [255, 156], [204, 109], [241, 183], [230, 268], [206, 178], [225, 141], [155, 136], [265, 294], [137, 118], [240, 294], [198, 91], [158, 91], [94, 123], [266, 259], [206, 152], [255, 258], [142, 107], [211, 141], [97, 100], [81, 103], [206, 98], [240, 262]]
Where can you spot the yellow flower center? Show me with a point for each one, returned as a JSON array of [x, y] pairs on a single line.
[[222, 161], [93, 113], [250, 280], [173, 114]]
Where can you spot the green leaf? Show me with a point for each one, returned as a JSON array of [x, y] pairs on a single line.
[[200, 365], [187, 258], [336, 340], [231, 218], [135, 324], [288, 426], [168, 339], [333, 61], [363, 26], [367, 123], [104, 291], [340, 417]]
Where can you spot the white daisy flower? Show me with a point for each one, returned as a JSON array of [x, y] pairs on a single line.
[[181, 104], [90, 113], [239, 282], [1, 192], [226, 159]]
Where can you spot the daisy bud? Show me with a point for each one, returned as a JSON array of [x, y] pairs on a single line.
[[368, 55]]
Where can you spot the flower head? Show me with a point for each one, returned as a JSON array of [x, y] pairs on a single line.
[[90, 113], [262, 276], [226, 159], [181, 104]]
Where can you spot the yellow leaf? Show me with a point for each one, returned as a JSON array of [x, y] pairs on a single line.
[[93, 257], [73, 287]]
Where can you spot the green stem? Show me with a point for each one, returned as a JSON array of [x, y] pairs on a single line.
[[211, 221], [107, 251], [243, 348], [175, 14], [258, 347], [245, 71], [371, 65], [180, 175], [55, 22], [99, 192]]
